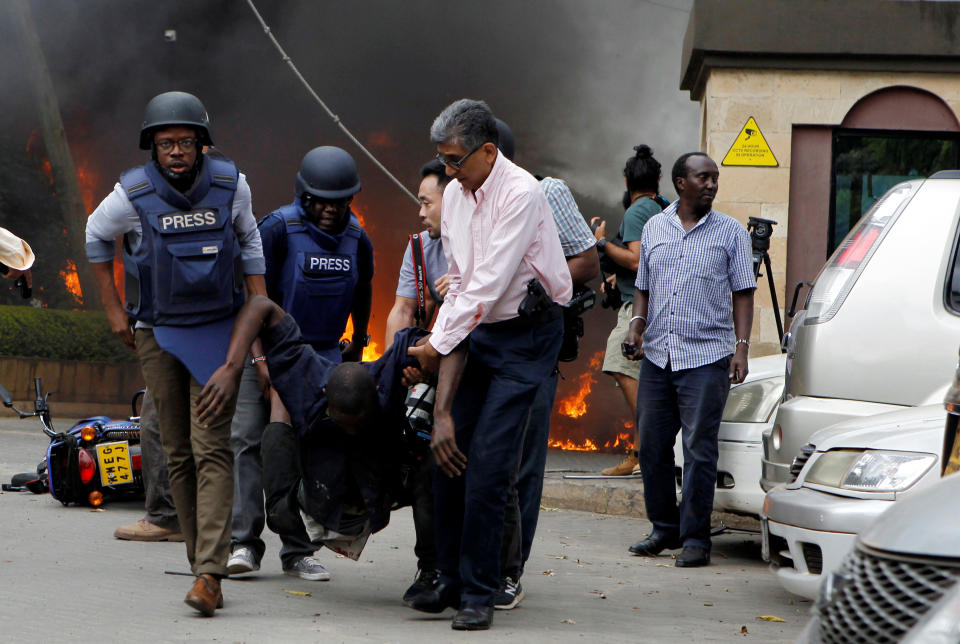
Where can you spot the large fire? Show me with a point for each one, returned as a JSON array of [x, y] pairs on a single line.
[[574, 405]]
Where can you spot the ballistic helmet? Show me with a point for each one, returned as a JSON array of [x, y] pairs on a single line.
[[328, 172], [174, 108], [505, 142]]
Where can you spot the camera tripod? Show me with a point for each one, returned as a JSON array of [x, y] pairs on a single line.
[[760, 232]]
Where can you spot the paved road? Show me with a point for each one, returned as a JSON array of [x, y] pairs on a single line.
[[63, 577]]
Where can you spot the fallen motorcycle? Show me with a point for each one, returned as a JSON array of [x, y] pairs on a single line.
[[96, 460]]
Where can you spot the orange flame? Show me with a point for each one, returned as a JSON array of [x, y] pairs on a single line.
[[370, 352], [360, 212], [87, 181], [587, 445], [575, 405], [71, 281]]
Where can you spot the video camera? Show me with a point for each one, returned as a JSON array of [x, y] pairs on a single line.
[[21, 284], [419, 416], [612, 298], [582, 301], [760, 232]]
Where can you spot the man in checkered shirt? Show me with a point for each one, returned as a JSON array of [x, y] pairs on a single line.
[[692, 313]]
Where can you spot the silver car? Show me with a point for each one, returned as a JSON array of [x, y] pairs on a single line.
[[882, 309], [847, 476], [900, 583]]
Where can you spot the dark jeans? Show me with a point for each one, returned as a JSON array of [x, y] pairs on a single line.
[[280, 450], [422, 492], [508, 362], [156, 482], [523, 501], [246, 431], [690, 400]]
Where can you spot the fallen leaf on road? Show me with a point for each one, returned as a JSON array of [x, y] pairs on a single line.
[[568, 621], [549, 573], [771, 618], [298, 593], [743, 629], [600, 593], [708, 603]]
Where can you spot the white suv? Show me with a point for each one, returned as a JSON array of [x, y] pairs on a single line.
[[879, 324]]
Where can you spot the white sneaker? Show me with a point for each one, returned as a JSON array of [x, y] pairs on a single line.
[[242, 560], [307, 568]]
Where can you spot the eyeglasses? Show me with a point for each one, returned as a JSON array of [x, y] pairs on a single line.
[[456, 165], [185, 145]]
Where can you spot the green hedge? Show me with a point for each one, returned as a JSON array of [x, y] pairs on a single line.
[[27, 332]]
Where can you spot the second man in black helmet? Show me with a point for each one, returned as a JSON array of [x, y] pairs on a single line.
[[319, 268]]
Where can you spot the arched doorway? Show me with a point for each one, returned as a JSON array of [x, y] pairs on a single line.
[[870, 156]]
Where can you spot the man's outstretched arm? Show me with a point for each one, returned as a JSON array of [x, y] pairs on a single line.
[[443, 442], [258, 312]]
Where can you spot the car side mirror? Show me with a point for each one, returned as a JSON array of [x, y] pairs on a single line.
[[6, 397]]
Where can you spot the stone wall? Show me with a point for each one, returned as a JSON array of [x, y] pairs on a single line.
[[79, 388], [778, 99]]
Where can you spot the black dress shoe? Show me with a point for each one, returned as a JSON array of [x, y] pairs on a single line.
[[473, 617], [443, 596], [654, 545], [693, 557]]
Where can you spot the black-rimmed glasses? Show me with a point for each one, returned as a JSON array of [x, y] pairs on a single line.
[[166, 145], [456, 165]]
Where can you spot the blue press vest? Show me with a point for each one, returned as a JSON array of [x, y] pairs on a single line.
[[318, 276], [188, 267]]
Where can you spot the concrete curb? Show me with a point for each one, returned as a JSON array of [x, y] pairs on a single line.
[[621, 497]]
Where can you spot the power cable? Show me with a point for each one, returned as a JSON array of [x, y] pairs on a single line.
[[336, 119]]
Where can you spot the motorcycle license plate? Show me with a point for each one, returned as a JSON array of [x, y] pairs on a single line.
[[114, 462]]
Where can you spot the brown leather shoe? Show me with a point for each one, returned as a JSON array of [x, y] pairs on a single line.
[[143, 530], [630, 465], [205, 596]]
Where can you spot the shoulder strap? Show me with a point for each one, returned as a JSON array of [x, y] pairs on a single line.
[[136, 183], [223, 173], [416, 251]]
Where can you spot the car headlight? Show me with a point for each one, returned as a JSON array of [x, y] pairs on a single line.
[[753, 402], [869, 470]]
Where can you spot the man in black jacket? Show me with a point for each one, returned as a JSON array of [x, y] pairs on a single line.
[[335, 431]]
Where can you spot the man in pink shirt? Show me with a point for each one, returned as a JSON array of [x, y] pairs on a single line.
[[498, 236]]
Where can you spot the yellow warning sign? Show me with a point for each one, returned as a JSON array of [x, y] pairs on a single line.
[[750, 148]]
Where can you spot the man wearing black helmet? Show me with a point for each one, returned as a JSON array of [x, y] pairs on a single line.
[[188, 235], [319, 267]]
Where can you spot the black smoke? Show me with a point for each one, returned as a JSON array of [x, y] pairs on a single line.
[[579, 83]]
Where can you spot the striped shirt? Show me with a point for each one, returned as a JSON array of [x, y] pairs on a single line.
[[575, 235], [689, 277]]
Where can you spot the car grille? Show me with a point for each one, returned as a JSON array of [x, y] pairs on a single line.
[[882, 597], [805, 453]]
